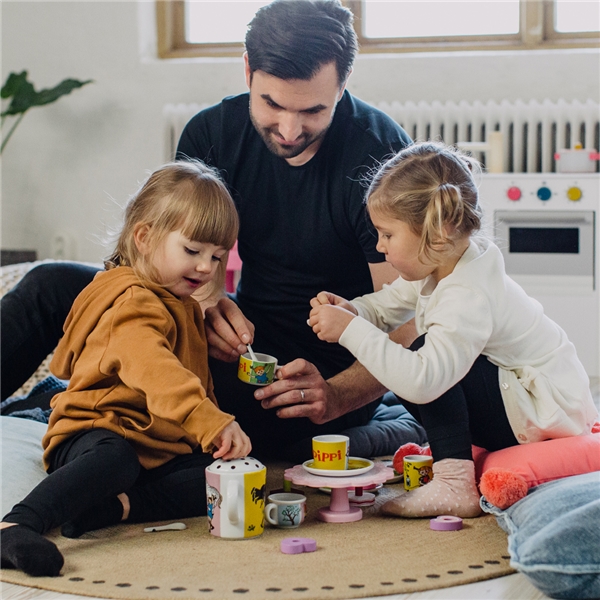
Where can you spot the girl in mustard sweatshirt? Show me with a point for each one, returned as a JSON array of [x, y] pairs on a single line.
[[130, 438]]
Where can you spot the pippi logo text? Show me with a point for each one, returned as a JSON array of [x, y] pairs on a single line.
[[327, 456]]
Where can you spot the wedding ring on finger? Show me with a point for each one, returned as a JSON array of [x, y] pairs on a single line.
[[302, 395]]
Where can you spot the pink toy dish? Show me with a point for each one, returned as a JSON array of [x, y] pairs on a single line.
[[339, 510], [356, 466]]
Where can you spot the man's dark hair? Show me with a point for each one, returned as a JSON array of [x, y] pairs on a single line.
[[293, 39]]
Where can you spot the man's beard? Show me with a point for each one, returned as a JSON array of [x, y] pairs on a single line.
[[266, 133]]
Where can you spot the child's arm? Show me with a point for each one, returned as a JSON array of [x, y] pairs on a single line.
[[232, 442], [141, 352], [330, 315], [328, 298], [329, 321]]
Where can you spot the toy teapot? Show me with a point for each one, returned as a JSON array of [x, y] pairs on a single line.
[[235, 497]]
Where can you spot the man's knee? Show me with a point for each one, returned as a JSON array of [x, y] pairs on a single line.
[[58, 279]]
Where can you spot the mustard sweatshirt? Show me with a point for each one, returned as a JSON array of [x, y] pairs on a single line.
[[136, 358]]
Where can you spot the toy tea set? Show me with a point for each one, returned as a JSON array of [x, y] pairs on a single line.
[[236, 489]]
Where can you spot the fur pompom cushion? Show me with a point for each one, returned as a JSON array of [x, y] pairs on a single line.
[[504, 476]]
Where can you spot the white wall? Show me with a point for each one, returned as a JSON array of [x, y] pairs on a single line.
[[69, 162]]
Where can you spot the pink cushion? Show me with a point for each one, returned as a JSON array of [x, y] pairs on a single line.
[[234, 262], [544, 461]]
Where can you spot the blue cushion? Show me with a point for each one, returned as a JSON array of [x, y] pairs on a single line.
[[554, 536], [22, 467]]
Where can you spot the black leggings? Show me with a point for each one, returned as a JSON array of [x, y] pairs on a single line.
[[471, 412], [96, 465]]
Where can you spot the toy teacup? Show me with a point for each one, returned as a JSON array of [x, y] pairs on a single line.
[[257, 372]]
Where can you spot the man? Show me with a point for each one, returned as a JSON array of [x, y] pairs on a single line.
[[295, 153]]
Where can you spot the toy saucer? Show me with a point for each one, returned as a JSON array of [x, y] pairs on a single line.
[[397, 476], [356, 466], [373, 487]]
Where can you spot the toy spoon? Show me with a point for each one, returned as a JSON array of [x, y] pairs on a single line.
[[170, 527], [252, 355]]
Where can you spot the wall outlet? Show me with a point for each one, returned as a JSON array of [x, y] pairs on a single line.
[[63, 247]]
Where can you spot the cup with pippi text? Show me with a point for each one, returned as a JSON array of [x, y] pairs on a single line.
[[418, 471], [257, 372], [330, 452]]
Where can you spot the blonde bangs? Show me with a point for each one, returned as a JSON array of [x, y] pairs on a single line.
[[188, 196], [212, 219]]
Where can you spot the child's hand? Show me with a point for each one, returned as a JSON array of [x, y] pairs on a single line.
[[232, 442], [329, 298], [329, 321]]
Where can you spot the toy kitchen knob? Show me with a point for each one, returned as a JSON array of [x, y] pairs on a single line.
[[514, 193], [544, 193], [574, 194]]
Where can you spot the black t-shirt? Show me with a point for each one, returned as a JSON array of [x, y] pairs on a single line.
[[302, 229]]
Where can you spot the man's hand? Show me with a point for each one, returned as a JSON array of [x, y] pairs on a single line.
[[300, 391], [232, 442], [227, 330]]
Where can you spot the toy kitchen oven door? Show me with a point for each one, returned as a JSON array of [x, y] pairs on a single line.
[[547, 226]]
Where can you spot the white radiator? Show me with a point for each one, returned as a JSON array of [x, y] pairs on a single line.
[[531, 131], [175, 118]]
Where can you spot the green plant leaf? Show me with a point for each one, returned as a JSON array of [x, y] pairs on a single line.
[[23, 95], [13, 82], [64, 87], [21, 91]]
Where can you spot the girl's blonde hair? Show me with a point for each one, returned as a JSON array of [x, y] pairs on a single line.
[[187, 196], [430, 187]]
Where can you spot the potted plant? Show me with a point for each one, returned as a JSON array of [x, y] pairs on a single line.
[[23, 97]]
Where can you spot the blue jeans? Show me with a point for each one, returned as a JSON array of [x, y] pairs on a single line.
[[554, 536]]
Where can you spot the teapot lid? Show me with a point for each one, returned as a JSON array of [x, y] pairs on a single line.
[[237, 465]]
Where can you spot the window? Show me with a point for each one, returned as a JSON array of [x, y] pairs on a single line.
[[438, 19], [222, 22], [217, 28]]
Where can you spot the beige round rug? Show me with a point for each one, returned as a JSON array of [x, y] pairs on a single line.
[[375, 556]]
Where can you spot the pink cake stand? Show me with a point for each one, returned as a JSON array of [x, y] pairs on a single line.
[[339, 510]]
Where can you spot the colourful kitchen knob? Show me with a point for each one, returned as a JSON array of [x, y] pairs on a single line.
[[514, 193], [574, 193], [544, 193]]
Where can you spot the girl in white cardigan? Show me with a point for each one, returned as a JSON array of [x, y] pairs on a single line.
[[488, 368]]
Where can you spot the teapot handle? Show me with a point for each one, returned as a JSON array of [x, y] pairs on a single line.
[[232, 501]]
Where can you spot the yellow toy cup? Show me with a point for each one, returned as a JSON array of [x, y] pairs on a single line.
[[330, 452], [257, 372], [417, 471]]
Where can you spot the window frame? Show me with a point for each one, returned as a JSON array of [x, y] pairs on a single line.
[[537, 32]]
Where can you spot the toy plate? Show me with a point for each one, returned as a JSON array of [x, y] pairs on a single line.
[[397, 476], [372, 488], [356, 466]]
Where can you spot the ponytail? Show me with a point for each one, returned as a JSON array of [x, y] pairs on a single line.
[[430, 187]]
